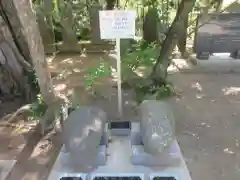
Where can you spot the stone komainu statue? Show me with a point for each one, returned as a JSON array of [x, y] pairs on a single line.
[[157, 124], [82, 133]]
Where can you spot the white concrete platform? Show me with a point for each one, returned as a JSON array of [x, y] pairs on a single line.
[[5, 168], [120, 152]]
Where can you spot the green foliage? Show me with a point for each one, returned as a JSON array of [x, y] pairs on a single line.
[[144, 55], [83, 33], [60, 11], [158, 92], [38, 109], [164, 91], [166, 10], [141, 55], [32, 80], [95, 73]]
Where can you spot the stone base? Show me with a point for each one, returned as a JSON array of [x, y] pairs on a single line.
[[203, 55], [118, 161], [170, 158], [5, 168], [235, 54]]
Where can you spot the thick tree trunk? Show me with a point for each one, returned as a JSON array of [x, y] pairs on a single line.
[[12, 66], [68, 31], [159, 72], [67, 22], [9, 12], [182, 39], [20, 11]]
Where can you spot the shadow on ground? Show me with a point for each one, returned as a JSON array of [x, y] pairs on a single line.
[[207, 115], [36, 160], [69, 71]]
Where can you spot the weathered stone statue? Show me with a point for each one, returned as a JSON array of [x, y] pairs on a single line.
[[82, 133], [157, 123]]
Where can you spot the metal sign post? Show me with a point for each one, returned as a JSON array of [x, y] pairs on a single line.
[[117, 24], [119, 81]]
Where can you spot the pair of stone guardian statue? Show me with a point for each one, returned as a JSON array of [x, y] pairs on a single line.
[[84, 128]]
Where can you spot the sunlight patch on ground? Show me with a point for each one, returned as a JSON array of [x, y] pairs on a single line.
[[200, 96], [113, 69], [114, 73], [143, 71], [60, 87], [42, 148], [178, 64], [83, 55], [51, 67], [22, 129], [231, 90], [76, 70], [50, 59], [50, 62], [228, 151], [197, 86], [70, 92], [67, 61]]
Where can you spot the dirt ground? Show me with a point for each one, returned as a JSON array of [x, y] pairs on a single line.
[[207, 125], [71, 82]]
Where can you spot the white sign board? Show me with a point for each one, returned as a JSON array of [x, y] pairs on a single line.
[[117, 24]]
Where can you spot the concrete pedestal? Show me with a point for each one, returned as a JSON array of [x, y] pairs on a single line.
[[121, 158]]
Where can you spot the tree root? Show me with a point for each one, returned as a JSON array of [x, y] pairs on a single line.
[[48, 121], [11, 125], [11, 117]]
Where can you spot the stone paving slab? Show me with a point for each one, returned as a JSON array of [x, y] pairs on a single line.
[[5, 168]]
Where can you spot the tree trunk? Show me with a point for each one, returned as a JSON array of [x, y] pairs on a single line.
[[12, 66], [159, 72], [110, 4], [94, 23], [20, 11], [150, 26], [45, 23], [67, 22], [182, 39], [9, 12], [219, 5]]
